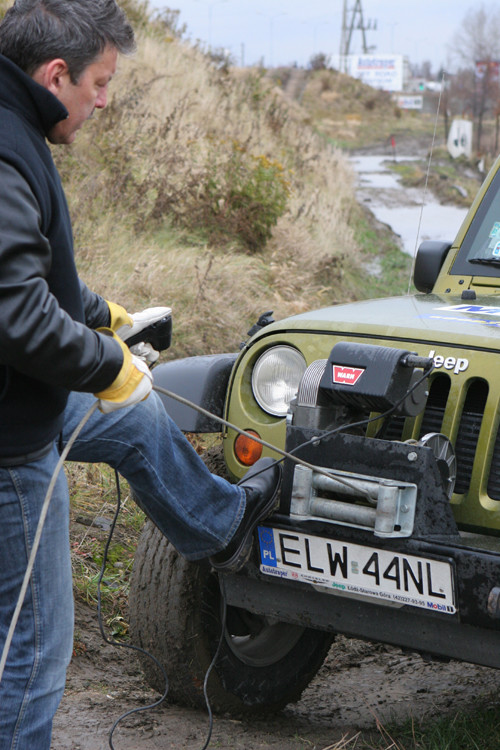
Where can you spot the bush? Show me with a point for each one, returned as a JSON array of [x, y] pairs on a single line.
[[319, 61], [242, 198]]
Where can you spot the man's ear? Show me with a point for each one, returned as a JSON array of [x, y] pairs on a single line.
[[53, 75]]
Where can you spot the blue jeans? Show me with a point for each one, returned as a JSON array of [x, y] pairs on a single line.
[[196, 510]]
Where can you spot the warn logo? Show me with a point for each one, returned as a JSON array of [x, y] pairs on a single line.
[[347, 375]]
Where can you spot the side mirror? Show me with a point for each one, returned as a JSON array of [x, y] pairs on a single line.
[[428, 263]]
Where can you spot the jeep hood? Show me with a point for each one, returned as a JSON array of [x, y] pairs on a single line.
[[421, 317]]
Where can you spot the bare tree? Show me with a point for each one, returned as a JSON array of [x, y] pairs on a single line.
[[422, 70], [476, 49]]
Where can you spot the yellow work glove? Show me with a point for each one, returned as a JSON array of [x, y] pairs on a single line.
[[119, 316], [133, 383]]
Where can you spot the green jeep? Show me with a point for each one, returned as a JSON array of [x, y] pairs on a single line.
[[389, 521]]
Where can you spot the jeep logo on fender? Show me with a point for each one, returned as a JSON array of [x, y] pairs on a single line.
[[457, 364], [347, 375]]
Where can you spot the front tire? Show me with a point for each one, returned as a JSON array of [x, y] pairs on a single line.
[[176, 614]]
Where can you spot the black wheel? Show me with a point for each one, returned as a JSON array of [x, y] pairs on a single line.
[[176, 614]]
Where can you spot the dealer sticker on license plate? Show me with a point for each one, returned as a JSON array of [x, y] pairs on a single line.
[[355, 570]]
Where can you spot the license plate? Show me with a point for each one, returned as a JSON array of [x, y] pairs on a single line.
[[355, 570]]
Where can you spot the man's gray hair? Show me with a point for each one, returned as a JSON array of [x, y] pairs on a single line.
[[35, 31]]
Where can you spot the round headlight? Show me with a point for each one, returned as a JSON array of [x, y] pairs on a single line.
[[276, 378]]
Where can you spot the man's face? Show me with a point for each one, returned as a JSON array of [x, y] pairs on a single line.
[[82, 98]]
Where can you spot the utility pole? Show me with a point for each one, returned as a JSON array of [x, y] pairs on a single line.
[[353, 19]]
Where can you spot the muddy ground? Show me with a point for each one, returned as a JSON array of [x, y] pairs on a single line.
[[359, 684]]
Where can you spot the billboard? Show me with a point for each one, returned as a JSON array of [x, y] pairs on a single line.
[[380, 71], [410, 102]]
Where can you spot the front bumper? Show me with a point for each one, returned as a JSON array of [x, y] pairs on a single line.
[[471, 632]]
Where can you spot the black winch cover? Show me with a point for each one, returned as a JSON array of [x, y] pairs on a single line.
[[367, 376]]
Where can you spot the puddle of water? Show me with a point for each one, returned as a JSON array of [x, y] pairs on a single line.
[[401, 208], [438, 223], [379, 180], [376, 163]]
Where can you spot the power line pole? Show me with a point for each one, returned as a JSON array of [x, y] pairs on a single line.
[[353, 19]]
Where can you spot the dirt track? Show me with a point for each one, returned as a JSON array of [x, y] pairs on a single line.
[[358, 684]]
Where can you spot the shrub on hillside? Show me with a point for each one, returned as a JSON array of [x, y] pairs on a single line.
[[319, 61], [243, 197]]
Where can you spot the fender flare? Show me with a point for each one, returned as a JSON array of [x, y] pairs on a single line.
[[202, 380]]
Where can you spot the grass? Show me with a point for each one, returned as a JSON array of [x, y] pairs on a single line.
[[380, 252], [209, 192], [474, 730], [93, 503], [140, 180], [352, 115], [477, 729]]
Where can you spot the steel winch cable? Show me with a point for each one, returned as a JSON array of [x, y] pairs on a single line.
[[159, 389], [114, 642], [285, 454], [226, 423], [148, 654], [38, 534], [313, 441]]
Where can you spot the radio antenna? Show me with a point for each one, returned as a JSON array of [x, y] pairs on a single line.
[[424, 197]]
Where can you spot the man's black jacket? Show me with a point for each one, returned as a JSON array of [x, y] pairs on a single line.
[[47, 345]]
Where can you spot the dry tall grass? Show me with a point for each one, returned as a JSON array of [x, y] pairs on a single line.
[[206, 190], [137, 182]]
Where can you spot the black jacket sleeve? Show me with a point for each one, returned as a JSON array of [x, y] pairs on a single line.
[[96, 308], [37, 337]]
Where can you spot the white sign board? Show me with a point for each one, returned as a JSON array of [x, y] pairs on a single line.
[[410, 102], [460, 138], [380, 71]]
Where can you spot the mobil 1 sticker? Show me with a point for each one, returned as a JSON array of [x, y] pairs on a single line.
[[355, 570]]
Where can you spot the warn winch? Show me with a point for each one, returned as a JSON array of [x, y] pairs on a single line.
[[337, 394]]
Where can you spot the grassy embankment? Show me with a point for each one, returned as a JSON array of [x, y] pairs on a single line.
[[354, 116]]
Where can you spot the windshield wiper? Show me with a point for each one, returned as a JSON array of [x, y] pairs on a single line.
[[486, 261]]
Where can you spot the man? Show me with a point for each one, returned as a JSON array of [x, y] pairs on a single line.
[[58, 347]]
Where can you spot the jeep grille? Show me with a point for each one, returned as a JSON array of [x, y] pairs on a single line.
[[494, 478], [468, 415]]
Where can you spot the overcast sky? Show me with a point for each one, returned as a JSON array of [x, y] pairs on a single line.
[[285, 31]]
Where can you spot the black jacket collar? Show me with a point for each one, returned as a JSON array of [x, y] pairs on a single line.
[[20, 93]]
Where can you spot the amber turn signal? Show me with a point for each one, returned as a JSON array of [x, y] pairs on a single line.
[[247, 451]]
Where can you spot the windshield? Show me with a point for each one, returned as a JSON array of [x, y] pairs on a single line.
[[480, 251]]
